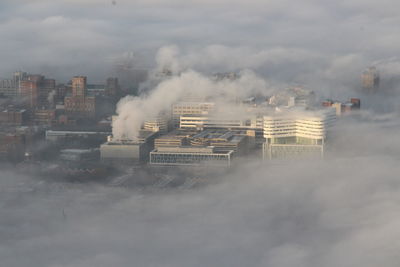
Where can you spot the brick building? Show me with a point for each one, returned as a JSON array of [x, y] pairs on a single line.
[[35, 89], [79, 104], [12, 116], [44, 116]]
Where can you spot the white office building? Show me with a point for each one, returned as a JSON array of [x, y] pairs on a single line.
[[190, 108], [157, 124], [294, 133]]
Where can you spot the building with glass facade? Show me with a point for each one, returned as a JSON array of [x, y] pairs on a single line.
[[206, 156], [294, 134]]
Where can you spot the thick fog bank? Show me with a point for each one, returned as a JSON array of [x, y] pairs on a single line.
[[341, 211]]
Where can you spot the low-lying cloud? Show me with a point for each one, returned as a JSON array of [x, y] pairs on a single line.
[[341, 211]]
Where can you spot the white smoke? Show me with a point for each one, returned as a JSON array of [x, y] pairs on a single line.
[[167, 59], [51, 96], [133, 111]]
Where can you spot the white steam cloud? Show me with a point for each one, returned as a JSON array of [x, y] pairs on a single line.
[[133, 111]]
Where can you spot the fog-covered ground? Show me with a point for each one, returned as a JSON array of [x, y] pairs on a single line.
[[341, 211]]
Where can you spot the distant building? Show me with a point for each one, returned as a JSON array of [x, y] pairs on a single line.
[[61, 92], [343, 108], [295, 96], [13, 116], [11, 87], [96, 89], [16, 141], [112, 86], [35, 89], [44, 116], [79, 86], [79, 104], [370, 80], [297, 134]]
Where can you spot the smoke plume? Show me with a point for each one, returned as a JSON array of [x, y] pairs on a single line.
[[133, 111]]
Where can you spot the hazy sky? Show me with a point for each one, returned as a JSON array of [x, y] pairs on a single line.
[[295, 41]]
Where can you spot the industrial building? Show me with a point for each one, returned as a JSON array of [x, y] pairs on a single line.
[[252, 126], [172, 139], [128, 151], [221, 140], [213, 147], [297, 134], [190, 156]]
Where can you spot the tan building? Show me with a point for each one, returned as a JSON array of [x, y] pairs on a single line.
[[158, 124], [370, 80], [79, 86], [45, 116], [190, 108]]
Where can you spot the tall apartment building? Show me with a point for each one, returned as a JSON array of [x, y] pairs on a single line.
[[79, 104], [370, 80], [295, 134], [35, 89]]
